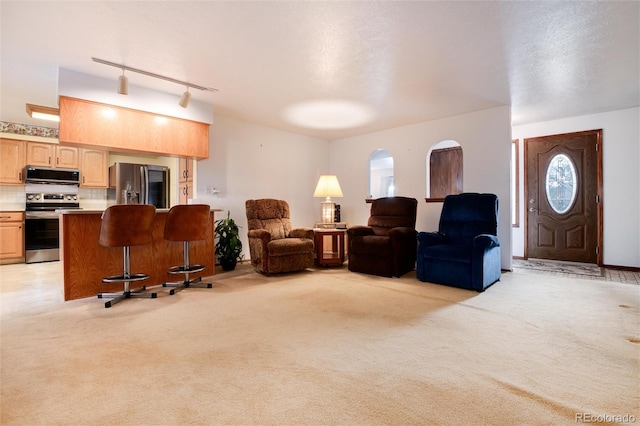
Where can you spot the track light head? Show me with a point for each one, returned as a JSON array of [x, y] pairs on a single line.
[[184, 100], [123, 84]]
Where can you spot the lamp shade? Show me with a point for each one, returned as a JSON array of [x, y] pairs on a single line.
[[328, 186]]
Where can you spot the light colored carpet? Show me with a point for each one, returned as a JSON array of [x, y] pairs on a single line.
[[324, 347]]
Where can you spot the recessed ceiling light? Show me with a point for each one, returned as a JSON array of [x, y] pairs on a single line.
[[329, 114], [43, 112]]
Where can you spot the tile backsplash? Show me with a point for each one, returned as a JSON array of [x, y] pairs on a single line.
[[93, 198], [13, 198]]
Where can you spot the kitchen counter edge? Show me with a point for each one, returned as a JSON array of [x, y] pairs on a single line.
[[100, 211]]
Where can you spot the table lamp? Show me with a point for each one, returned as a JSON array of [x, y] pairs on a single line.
[[328, 187]]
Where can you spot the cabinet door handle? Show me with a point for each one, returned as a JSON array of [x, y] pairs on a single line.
[[49, 160], [5, 217], [58, 160], [20, 176]]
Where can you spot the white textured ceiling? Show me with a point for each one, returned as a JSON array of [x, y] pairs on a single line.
[[407, 61]]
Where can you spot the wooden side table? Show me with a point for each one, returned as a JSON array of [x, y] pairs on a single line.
[[329, 255]]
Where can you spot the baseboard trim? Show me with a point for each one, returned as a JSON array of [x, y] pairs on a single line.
[[622, 268]]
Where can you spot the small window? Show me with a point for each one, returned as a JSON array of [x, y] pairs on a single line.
[[444, 170], [561, 183], [381, 182]]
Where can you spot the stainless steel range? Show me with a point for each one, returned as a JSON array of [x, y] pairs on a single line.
[[42, 223]]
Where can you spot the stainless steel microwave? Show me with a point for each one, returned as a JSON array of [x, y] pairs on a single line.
[[34, 174]]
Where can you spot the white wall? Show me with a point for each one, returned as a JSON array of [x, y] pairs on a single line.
[[485, 137], [621, 182], [249, 161]]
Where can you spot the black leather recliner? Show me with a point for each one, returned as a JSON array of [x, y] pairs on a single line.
[[387, 245]]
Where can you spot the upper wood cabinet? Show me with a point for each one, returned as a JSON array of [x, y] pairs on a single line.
[[185, 180], [186, 192], [13, 161], [127, 130], [67, 157], [93, 168], [52, 155], [186, 169]]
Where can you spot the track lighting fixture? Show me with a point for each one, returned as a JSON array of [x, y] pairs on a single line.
[[123, 84], [184, 100]]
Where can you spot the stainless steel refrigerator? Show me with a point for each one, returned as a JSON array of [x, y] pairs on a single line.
[[139, 184]]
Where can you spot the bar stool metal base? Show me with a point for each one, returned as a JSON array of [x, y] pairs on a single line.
[[127, 293], [186, 270]]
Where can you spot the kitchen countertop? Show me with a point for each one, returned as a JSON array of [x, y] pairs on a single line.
[[13, 208], [100, 211]]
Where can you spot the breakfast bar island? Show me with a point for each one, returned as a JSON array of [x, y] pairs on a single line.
[[85, 262]]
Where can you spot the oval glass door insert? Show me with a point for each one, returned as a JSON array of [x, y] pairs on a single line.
[[561, 183]]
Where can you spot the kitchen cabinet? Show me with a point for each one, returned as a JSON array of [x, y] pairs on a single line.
[[186, 192], [121, 129], [52, 155], [13, 161], [11, 236], [185, 181], [186, 169], [93, 168]]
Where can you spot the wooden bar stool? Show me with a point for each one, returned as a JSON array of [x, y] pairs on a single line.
[[126, 225], [187, 222]]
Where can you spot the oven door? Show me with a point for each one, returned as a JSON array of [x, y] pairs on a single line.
[[41, 236]]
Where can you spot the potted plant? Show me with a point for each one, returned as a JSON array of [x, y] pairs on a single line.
[[228, 247]]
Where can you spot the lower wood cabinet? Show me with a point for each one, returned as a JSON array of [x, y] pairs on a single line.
[[11, 236]]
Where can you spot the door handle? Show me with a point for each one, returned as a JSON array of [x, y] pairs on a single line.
[[533, 209]]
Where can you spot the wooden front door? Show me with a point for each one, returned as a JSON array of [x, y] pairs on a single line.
[[563, 197]]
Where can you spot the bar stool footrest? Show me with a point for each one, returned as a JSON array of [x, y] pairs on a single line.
[[188, 269], [125, 278]]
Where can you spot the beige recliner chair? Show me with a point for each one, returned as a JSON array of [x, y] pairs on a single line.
[[275, 246]]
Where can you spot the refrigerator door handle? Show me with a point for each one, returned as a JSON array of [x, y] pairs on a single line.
[[144, 185]]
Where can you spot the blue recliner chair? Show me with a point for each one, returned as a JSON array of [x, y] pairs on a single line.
[[465, 252]]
